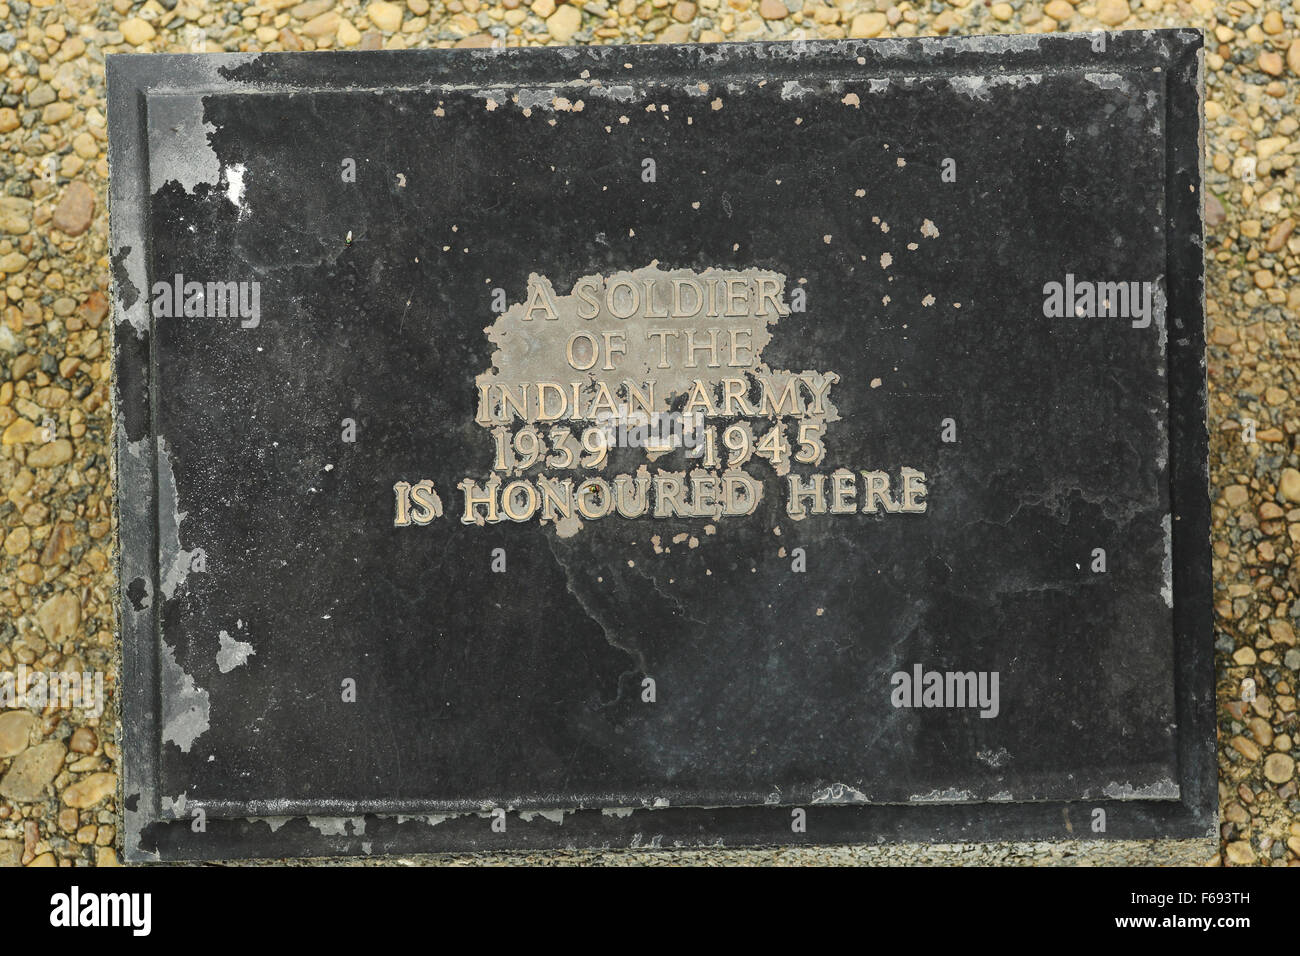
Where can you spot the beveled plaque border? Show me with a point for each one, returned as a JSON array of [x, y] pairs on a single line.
[[157, 829]]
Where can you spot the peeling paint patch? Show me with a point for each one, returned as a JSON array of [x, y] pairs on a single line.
[[555, 816], [174, 562], [136, 821], [428, 819], [179, 150], [994, 758], [232, 653], [1167, 563], [186, 708], [1108, 81], [338, 826], [235, 187], [1160, 790], [979, 87], [273, 822], [839, 793], [951, 795], [129, 281]]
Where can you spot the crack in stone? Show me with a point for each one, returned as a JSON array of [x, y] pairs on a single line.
[[635, 654]]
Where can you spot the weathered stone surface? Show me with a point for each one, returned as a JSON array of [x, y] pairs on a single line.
[[953, 410]]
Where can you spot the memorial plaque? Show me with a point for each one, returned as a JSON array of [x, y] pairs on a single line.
[[662, 446]]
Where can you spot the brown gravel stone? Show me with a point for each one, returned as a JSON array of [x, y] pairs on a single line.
[[1059, 10], [1289, 484], [1261, 731], [1240, 853], [1236, 813], [1271, 63], [1113, 12], [75, 210], [93, 310], [1214, 211], [56, 550], [324, 25], [15, 730], [30, 771], [59, 617], [310, 9], [90, 790], [1246, 747], [54, 453], [1279, 234], [1279, 768], [15, 215], [83, 741], [23, 364], [11, 853], [1281, 631], [18, 540]]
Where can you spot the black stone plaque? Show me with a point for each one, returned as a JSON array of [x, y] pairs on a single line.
[[700, 445]]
